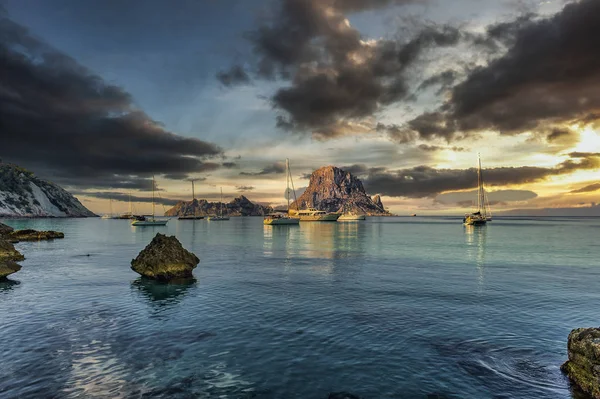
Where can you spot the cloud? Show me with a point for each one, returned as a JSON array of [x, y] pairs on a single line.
[[548, 78], [334, 77], [275, 168], [499, 196], [425, 181], [236, 75], [244, 188], [587, 189], [123, 197], [56, 116], [435, 148]]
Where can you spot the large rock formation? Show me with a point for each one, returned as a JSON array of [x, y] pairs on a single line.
[[22, 194], [331, 188], [583, 366], [165, 259], [8, 256], [4, 229], [240, 206]]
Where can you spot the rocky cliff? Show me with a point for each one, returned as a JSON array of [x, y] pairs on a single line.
[[240, 206], [331, 188], [22, 194]]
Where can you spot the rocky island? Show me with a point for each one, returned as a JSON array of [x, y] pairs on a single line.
[[240, 206], [332, 189], [583, 366], [165, 259], [22, 194]]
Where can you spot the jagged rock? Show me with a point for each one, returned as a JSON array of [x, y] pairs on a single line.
[[23, 194], [4, 229], [165, 259], [7, 268], [8, 252], [583, 366], [377, 200], [331, 188], [8, 256], [33, 235], [240, 206]]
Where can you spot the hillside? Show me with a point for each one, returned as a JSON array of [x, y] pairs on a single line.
[[240, 206], [22, 194], [331, 187]]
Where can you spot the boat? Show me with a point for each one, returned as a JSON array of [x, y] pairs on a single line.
[[150, 221], [315, 215], [219, 216], [110, 214], [284, 219], [194, 216], [351, 217], [482, 215]]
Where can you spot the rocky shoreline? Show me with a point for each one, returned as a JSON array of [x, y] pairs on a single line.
[[9, 255]]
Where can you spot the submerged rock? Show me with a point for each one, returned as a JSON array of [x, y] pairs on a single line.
[[33, 235], [8, 267], [583, 366], [165, 259]]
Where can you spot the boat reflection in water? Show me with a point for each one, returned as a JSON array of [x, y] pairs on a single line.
[[476, 241]]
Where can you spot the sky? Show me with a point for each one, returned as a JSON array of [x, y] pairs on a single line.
[[99, 96]]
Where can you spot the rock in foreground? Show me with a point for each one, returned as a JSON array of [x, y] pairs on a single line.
[[7, 268], [583, 366], [33, 235], [8, 256], [165, 259]]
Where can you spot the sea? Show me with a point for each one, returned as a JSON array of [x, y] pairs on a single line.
[[392, 307]]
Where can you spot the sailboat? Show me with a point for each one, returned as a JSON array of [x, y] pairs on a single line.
[[194, 205], [483, 214], [220, 215], [109, 215], [278, 219], [151, 221]]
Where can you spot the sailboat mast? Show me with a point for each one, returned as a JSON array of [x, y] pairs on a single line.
[[221, 204], [287, 183], [153, 197], [480, 193]]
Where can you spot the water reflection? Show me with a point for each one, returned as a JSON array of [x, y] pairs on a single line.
[[476, 237], [8, 284], [163, 294]]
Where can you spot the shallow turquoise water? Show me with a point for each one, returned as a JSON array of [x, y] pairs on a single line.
[[387, 308]]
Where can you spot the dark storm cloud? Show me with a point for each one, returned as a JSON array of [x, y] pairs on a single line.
[[58, 118], [336, 78], [234, 76], [435, 148], [275, 168], [116, 196], [549, 77], [443, 79], [587, 189], [425, 181]]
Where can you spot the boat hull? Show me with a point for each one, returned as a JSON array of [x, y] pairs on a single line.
[[351, 218], [281, 222], [218, 218], [330, 217], [144, 223]]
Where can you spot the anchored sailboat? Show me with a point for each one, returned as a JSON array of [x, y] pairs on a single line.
[[110, 214], [152, 221], [220, 214], [278, 219], [194, 205], [483, 213]]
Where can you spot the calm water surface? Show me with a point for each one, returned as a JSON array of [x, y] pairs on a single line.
[[387, 308]]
